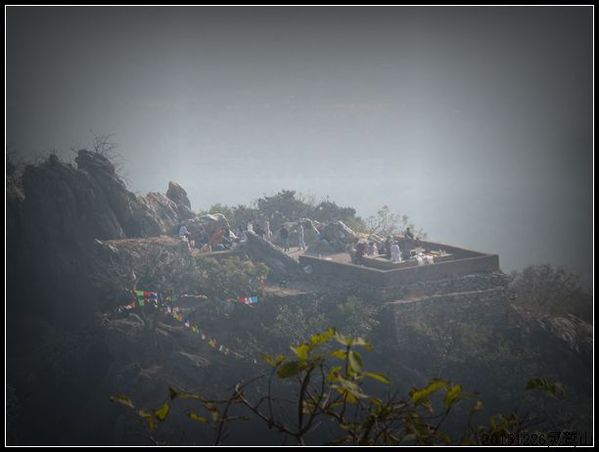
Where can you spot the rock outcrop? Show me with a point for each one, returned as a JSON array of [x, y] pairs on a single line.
[[178, 195], [281, 265], [339, 236], [201, 228], [138, 216], [56, 211], [64, 203]]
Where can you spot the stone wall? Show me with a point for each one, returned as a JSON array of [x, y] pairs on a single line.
[[387, 284]]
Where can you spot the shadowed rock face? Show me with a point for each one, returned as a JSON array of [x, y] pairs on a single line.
[[56, 212], [178, 195], [144, 216], [63, 204], [281, 265]]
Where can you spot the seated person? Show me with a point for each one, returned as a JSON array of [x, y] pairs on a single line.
[[183, 232], [359, 254], [372, 249], [217, 237]]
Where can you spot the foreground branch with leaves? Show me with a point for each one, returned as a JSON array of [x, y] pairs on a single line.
[[329, 381]]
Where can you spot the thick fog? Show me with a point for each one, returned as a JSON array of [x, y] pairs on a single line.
[[475, 122]]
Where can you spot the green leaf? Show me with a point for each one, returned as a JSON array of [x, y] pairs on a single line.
[[334, 373], [149, 418], [123, 400], [453, 394], [211, 407], [302, 351], [358, 341], [428, 405], [274, 361], [420, 395], [196, 417], [355, 361], [343, 340], [308, 406], [352, 388], [190, 395], [548, 385], [378, 376], [339, 354], [321, 338], [289, 369], [162, 412]]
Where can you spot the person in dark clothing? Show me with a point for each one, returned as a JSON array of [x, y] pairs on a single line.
[[360, 250], [259, 231], [408, 234], [284, 233]]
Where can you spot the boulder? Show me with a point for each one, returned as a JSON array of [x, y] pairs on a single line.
[[138, 216], [64, 204], [157, 214], [121, 201], [281, 265], [201, 228], [339, 236], [178, 195]]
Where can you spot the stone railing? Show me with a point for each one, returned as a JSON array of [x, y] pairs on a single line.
[[464, 262]]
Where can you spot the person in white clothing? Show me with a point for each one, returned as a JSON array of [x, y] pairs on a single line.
[[267, 231], [395, 253], [300, 237], [372, 250]]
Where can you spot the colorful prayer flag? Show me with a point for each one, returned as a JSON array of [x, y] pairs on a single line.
[[149, 295]]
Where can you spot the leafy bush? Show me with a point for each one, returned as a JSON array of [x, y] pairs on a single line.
[[335, 397], [543, 289], [387, 223], [286, 206], [229, 277]]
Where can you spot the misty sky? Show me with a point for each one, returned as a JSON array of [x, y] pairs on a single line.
[[475, 122]]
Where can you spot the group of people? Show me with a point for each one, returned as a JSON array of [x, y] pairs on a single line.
[[389, 248], [219, 240], [301, 239], [264, 231]]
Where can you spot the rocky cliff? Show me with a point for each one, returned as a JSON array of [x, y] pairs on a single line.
[[78, 240]]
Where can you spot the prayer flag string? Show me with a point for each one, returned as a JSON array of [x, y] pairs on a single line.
[[145, 297]]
